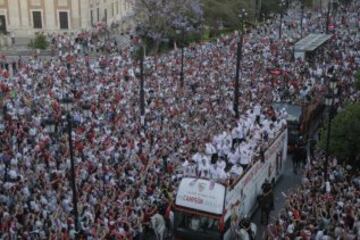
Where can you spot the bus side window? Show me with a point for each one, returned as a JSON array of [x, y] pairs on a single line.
[[179, 219]]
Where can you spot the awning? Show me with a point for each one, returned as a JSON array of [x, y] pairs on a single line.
[[311, 42]]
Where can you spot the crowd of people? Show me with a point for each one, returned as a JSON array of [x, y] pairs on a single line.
[[321, 209], [124, 170], [97, 41]]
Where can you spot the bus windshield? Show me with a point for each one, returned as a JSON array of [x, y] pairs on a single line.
[[190, 224]]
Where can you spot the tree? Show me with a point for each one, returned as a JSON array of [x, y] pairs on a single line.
[[357, 80], [225, 13], [158, 19], [345, 135], [39, 42]]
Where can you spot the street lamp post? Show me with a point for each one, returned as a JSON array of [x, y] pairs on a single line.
[[320, 6], [242, 15], [7, 163], [142, 93], [2, 128], [282, 6], [182, 57], [330, 101], [67, 104], [182, 32], [5, 158], [51, 128], [328, 18], [302, 17]]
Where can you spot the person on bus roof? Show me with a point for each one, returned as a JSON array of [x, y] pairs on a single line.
[[218, 173], [236, 169], [203, 168], [221, 164], [245, 159], [234, 156]]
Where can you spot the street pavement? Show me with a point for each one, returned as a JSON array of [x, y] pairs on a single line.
[[286, 183]]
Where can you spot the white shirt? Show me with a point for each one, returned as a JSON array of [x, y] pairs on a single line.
[[217, 173], [225, 145], [236, 170], [221, 174], [257, 110], [190, 170], [234, 157], [210, 149], [197, 158], [204, 169], [238, 132], [221, 164], [245, 157]]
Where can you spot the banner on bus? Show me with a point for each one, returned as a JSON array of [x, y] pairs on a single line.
[[202, 195]]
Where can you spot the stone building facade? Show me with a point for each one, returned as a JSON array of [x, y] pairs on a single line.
[[26, 17]]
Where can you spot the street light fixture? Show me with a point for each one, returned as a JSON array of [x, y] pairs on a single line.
[[49, 125], [333, 84], [66, 103], [328, 99], [242, 15]]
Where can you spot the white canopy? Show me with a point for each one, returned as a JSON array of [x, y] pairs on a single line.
[[310, 43]]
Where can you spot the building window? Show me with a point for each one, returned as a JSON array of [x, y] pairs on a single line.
[[92, 17], [98, 14], [105, 15], [37, 19], [2, 24], [112, 9], [117, 7], [64, 20]]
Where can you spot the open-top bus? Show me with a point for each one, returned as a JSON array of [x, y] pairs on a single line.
[[204, 209]]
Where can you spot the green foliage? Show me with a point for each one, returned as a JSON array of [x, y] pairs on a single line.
[[224, 13], [357, 80], [219, 15], [269, 6], [39, 42], [138, 52], [345, 135], [193, 37], [308, 3], [345, 2]]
